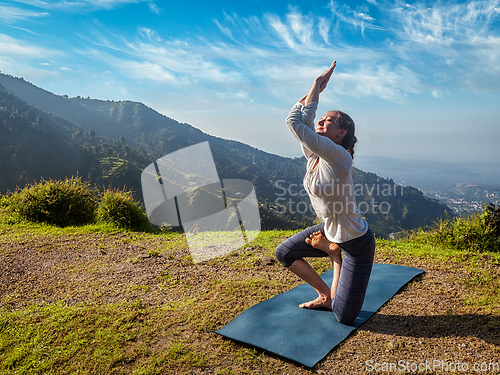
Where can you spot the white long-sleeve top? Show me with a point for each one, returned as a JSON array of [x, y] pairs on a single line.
[[329, 184]]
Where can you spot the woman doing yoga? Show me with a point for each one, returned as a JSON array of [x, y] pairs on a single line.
[[329, 150]]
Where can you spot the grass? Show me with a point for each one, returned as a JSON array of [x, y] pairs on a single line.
[[482, 269], [98, 299], [83, 338]]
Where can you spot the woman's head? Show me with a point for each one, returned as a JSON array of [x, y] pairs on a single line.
[[339, 127]]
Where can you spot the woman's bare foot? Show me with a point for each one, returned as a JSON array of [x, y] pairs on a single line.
[[319, 241], [322, 302]]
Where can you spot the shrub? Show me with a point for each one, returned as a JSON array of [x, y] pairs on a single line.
[[480, 232], [119, 208], [4, 200], [62, 203]]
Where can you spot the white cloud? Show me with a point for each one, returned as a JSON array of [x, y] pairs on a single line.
[[460, 36], [173, 62], [21, 68], [282, 30], [380, 81], [441, 24], [14, 47], [265, 58], [239, 95], [154, 8], [149, 34], [324, 28], [85, 5], [363, 16], [356, 18], [302, 26], [229, 18], [437, 94], [11, 14], [146, 69], [225, 30]]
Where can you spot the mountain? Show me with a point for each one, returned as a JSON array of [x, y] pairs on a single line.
[[35, 144], [31, 145], [112, 141]]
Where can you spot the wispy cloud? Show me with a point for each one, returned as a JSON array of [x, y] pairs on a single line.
[[270, 55], [380, 81], [11, 14], [445, 24], [174, 62], [146, 70], [460, 38], [437, 94], [277, 55], [24, 59], [357, 18], [86, 5], [17, 58], [17, 48], [155, 8]]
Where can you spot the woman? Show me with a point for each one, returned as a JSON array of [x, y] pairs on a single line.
[[329, 150]]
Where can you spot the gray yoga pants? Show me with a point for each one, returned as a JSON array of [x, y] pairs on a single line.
[[356, 268]]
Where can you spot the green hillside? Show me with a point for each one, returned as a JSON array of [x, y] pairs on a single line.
[[31, 145], [35, 144]]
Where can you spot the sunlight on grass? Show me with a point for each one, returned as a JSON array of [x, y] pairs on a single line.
[[90, 338]]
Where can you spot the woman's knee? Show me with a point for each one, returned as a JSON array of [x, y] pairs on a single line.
[[346, 317], [347, 310], [280, 254]]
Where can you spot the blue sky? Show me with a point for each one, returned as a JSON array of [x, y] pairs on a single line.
[[420, 79]]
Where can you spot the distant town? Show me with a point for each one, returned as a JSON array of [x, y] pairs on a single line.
[[465, 198]]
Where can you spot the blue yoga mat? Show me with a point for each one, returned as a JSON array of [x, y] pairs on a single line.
[[280, 326]]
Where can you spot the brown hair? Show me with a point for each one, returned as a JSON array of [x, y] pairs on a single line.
[[347, 123]]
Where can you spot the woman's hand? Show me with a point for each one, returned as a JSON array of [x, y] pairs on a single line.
[[319, 85], [325, 77]]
